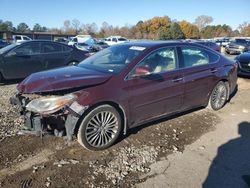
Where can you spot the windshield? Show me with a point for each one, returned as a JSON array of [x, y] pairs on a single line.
[[113, 59], [7, 48]]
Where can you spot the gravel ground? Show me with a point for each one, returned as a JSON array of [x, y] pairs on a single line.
[[10, 122], [32, 161]]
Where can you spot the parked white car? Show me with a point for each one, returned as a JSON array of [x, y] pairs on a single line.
[[112, 40], [20, 38], [87, 39]]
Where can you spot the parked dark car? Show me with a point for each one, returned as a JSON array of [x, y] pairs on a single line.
[[209, 44], [95, 47], [124, 86], [21, 59], [243, 61], [98, 45], [62, 40], [3, 43], [238, 46]]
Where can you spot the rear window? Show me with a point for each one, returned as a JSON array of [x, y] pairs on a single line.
[[51, 48], [18, 37], [122, 39], [67, 49], [26, 38], [193, 56]]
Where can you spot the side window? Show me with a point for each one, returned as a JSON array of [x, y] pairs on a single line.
[[67, 49], [28, 49], [193, 56], [26, 38], [18, 38], [160, 61], [114, 39], [51, 48]]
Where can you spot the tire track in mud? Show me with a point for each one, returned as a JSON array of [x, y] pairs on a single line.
[[31, 161]]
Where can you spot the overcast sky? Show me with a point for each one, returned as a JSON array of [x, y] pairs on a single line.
[[52, 13]]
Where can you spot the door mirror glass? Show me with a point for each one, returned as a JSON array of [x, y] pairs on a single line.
[[142, 71]]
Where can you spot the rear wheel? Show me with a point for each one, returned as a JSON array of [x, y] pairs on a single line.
[[100, 128], [218, 97]]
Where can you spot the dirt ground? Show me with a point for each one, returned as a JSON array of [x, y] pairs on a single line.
[[31, 161]]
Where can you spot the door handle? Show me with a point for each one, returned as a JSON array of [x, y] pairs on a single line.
[[177, 79], [213, 70]]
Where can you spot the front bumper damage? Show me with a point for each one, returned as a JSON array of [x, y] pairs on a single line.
[[60, 123]]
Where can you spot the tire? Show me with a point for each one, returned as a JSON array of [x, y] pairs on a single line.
[[218, 97], [73, 63], [100, 128]]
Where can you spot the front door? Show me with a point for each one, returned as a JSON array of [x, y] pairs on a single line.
[[23, 61], [159, 91]]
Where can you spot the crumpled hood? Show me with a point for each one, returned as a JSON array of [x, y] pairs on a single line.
[[62, 79]]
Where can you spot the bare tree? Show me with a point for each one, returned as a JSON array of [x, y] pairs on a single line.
[[76, 25], [66, 26], [202, 21], [90, 29]]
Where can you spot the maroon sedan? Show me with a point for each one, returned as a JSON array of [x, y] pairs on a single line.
[[122, 87]]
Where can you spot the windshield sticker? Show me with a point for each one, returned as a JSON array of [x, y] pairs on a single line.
[[139, 48]]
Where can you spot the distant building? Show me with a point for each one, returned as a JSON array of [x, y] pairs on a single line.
[[33, 35]]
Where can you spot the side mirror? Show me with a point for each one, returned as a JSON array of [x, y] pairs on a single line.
[[142, 71]]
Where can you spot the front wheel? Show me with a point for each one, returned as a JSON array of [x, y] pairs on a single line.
[[218, 97], [100, 128]]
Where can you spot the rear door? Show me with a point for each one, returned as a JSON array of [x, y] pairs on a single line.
[[158, 93], [23, 60], [199, 68], [54, 55]]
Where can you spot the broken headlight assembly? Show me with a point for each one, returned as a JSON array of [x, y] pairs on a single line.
[[48, 105]]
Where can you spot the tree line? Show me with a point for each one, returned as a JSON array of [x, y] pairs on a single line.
[[156, 28]]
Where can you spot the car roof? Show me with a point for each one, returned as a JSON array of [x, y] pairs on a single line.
[[31, 41], [150, 43]]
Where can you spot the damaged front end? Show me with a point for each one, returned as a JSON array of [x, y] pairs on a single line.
[[49, 114]]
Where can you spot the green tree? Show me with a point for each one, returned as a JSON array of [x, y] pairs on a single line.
[[171, 32], [6, 26], [23, 27], [165, 33], [176, 31], [37, 28]]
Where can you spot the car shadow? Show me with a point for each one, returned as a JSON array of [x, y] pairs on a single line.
[[244, 76], [136, 129], [10, 82], [233, 93], [231, 166]]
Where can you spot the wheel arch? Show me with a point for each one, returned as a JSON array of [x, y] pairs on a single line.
[[117, 106]]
